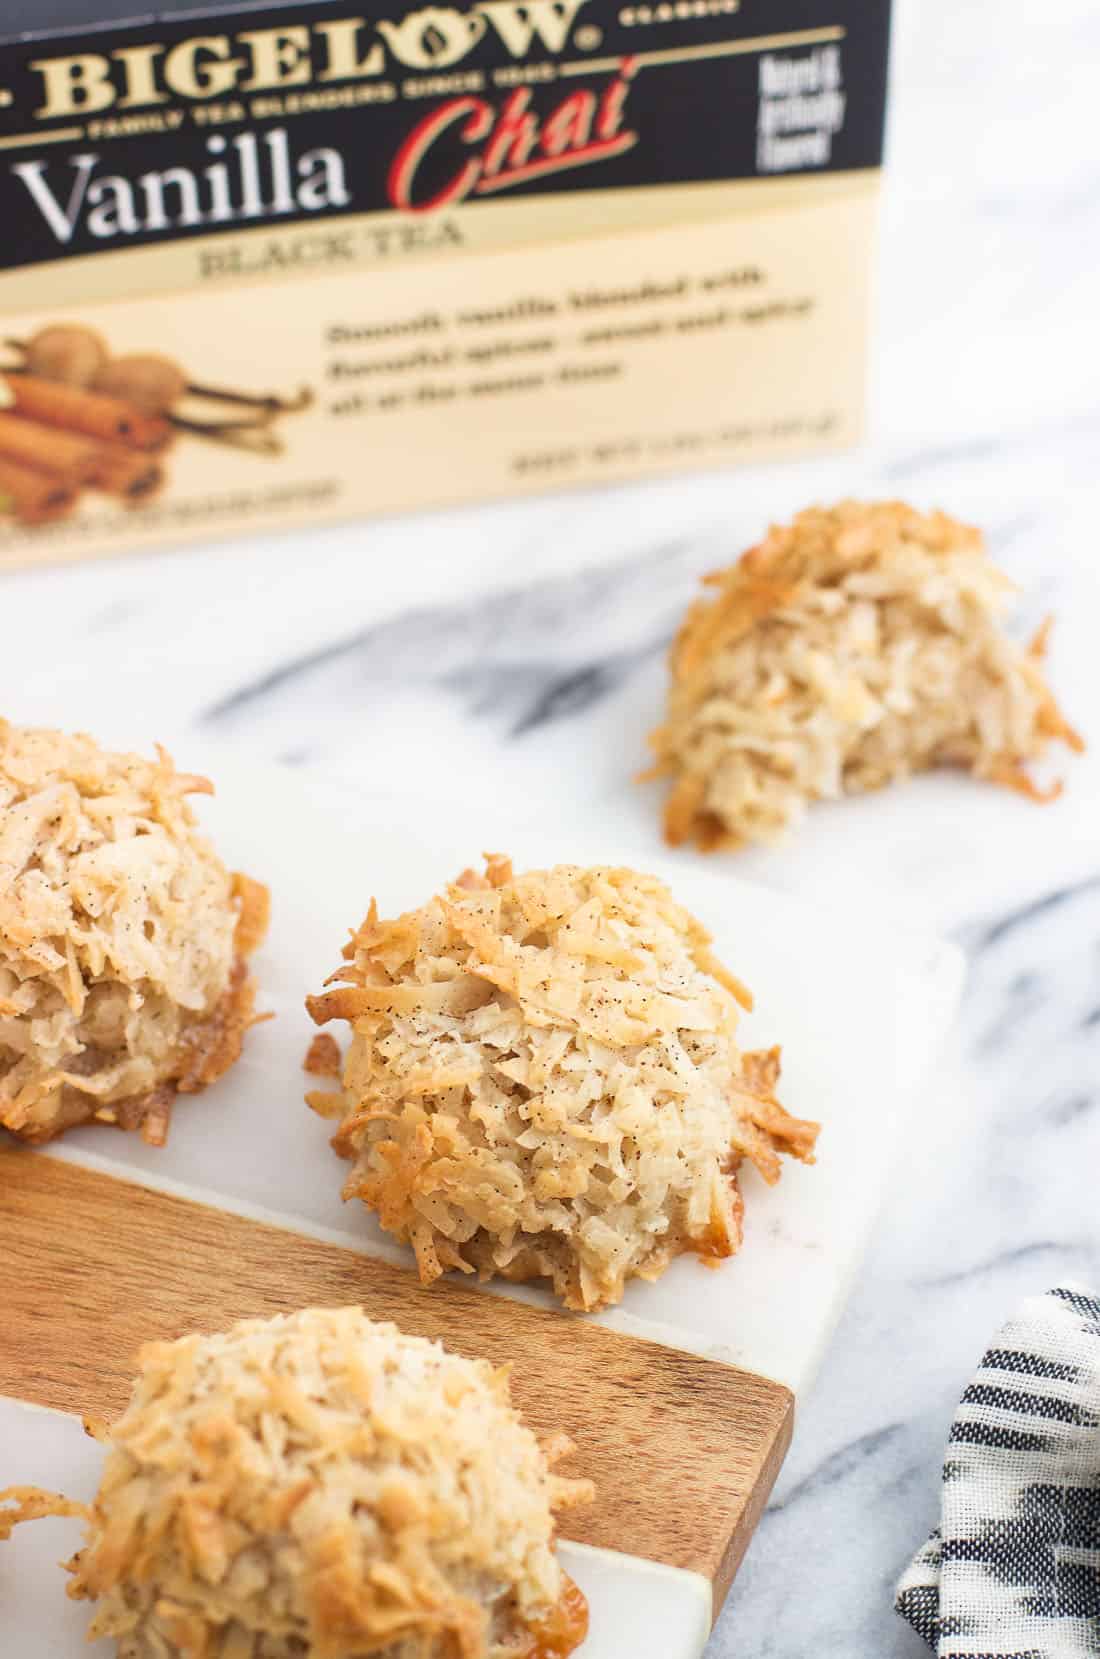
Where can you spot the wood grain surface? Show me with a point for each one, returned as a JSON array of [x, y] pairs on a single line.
[[683, 1450]]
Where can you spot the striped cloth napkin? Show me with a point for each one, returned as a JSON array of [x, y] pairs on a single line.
[[1013, 1569]]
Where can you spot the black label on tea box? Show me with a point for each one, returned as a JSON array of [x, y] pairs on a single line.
[[208, 121]]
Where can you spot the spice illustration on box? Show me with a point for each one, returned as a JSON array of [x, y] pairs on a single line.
[[74, 417]]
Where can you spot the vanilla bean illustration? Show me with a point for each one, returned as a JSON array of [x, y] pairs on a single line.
[[270, 403], [255, 436]]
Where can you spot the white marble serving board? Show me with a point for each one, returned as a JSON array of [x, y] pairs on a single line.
[[858, 1008]]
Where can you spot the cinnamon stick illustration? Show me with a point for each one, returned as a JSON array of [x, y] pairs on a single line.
[[34, 497], [92, 413], [67, 456], [79, 462], [126, 473]]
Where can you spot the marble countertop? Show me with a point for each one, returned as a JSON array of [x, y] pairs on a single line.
[[519, 648]]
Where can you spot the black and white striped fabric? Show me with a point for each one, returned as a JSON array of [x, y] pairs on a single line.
[[1013, 1570]]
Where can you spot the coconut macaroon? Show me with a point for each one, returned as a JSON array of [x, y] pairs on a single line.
[[543, 1081], [123, 939], [857, 645], [318, 1486]]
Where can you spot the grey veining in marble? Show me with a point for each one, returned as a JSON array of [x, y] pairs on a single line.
[[518, 648]]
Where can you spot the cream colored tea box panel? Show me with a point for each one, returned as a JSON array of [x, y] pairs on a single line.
[[696, 344]]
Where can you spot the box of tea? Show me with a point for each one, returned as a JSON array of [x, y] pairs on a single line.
[[269, 264]]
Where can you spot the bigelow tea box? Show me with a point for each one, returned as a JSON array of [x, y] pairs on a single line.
[[267, 264]]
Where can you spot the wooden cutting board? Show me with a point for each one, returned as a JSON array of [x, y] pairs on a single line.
[[681, 1402], [131, 1264]]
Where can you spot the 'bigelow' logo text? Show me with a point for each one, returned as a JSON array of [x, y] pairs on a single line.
[[294, 54], [477, 148]]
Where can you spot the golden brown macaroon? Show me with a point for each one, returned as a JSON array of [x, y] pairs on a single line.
[[544, 1081], [123, 939], [857, 645], [319, 1486]]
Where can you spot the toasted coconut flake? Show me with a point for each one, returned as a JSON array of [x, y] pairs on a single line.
[[323, 1056], [30, 1503], [253, 913], [856, 646], [318, 1484], [543, 1081], [122, 940], [325, 1103]]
